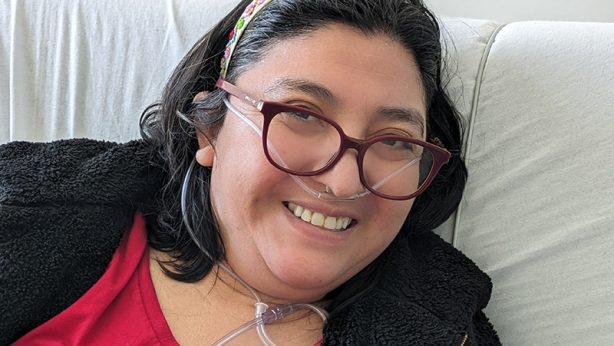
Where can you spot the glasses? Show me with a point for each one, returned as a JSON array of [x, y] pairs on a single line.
[[302, 142]]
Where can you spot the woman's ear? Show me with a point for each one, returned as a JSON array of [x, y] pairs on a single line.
[[199, 97], [205, 154]]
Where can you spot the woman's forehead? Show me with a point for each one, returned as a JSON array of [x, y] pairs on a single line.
[[338, 62]]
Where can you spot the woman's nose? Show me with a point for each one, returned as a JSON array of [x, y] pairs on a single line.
[[343, 179]]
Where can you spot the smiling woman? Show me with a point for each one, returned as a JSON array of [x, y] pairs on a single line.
[[306, 265], [283, 193]]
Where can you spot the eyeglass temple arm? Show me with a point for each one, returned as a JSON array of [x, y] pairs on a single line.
[[236, 92], [395, 173]]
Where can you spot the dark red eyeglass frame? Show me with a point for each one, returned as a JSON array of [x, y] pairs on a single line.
[[270, 108]]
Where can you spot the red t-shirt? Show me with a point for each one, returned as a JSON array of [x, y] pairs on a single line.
[[120, 309]]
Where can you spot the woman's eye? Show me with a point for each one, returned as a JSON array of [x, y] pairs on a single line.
[[299, 116], [302, 116], [396, 144]]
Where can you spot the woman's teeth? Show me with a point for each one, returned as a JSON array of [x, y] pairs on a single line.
[[320, 220]]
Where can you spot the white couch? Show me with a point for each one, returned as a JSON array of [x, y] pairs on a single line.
[[537, 99]]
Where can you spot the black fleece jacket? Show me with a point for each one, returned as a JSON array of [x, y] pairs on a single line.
[[65, 205]]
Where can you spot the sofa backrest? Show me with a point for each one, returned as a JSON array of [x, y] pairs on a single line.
[[88, 68], [538, 107], [538, 212]]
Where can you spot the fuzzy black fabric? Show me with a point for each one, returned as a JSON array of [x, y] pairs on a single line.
[[65, 205], [430, 294], [63, 209]]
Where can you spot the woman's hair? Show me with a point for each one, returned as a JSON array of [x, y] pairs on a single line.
[[170, 126]]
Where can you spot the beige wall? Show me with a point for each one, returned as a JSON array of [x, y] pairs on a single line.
[[515, 10]]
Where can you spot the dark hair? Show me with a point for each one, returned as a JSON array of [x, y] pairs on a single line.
[[170, 126]]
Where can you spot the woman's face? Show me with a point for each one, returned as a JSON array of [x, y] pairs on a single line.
[[350, 77]]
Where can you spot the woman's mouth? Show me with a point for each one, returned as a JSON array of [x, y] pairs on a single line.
[[333, 223]]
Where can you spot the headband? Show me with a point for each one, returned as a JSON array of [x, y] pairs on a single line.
[[250, 12]]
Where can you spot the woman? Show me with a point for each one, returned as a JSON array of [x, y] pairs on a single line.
[[284, 193]]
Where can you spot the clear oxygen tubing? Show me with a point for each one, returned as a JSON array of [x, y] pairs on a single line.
[[298, 180], [269, 316], [264, 314]]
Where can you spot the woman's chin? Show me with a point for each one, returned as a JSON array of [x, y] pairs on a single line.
[[300, 283]]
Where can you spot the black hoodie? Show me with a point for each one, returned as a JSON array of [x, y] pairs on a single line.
[[65, 205]]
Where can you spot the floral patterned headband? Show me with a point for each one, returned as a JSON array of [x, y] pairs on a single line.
[[250, 12]]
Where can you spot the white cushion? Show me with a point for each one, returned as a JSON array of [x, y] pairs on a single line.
[[465, 42], [538, 213], [88, 68], [5, 89]]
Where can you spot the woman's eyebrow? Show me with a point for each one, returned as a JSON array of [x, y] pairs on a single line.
[[312, 88], [408, 115]]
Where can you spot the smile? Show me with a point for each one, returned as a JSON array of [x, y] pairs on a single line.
[[320, 220]]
